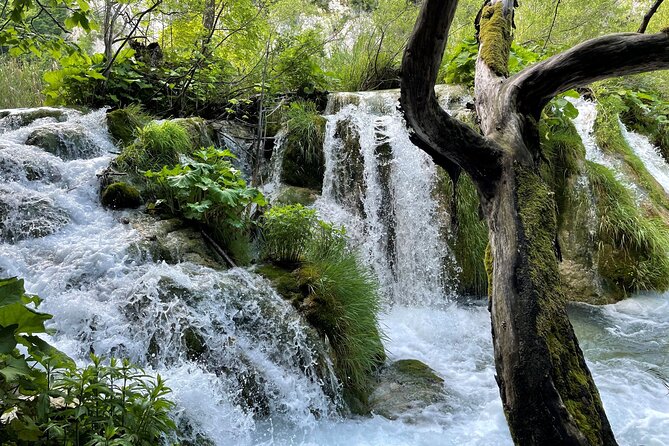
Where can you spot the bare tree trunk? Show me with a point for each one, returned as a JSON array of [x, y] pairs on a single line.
[[548, 393], [649, 15]]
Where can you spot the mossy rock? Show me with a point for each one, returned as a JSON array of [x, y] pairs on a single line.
[[200, 132], [22, 117], [284, 280], [406, 386], [123, 123], [304, 161], [120, 196], [295, 195]]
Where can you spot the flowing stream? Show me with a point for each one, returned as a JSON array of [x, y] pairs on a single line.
[[107, 295]]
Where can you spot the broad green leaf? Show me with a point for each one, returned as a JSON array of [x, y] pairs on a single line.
[[11, 291], [28, 320]]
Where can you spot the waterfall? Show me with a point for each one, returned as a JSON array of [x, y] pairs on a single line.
[[244, 367], [233, 351], [381, 188], [649, 154]]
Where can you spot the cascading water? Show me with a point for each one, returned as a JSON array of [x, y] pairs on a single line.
[[649, 154], [380, 186], [230, 347]]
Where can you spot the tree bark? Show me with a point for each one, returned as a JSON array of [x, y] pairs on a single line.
[[547, 391], [649, 15]]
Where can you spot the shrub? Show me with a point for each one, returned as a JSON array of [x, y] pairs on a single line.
[[158, 144], [46, 400], [207, 188]]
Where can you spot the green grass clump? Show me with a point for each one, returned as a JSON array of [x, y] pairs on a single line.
[[158, 144], [343, 303], [287, 231], [21, 83], [634, 247], [610, 139], [327, 282]]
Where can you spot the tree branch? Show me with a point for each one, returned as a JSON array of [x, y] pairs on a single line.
[[597, 59], [442, 137], [649, 15]]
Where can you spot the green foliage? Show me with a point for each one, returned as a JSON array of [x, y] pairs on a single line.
[[461, 67], [306, 126], [286, 231], [343, 303], [206, 188], [338, 295], [21, 82], [158, 144], [633, 246], [372, 62], [644, 110], [46, 400]]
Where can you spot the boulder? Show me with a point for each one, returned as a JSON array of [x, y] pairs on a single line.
[[120, 196], [28, 216], [67, 143], [404, 388]]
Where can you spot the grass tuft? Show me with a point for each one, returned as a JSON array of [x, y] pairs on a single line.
[[21, 83], [157, 144], [634, 247]]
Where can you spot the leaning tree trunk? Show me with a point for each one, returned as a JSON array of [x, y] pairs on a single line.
[[547, 391]]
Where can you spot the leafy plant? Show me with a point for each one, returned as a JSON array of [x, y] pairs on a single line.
[[46, 400], [207, 188]]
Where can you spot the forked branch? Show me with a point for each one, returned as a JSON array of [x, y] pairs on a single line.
[[649, 15], [444, 138]]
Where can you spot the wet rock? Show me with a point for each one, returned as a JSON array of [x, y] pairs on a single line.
[[13, 119], [172, 241], [28, 216], [200, 132], [405, 387], [295, 195], [120, 196], [66, 142], [17, 163]]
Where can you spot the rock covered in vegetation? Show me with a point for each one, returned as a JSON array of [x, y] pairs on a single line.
[[124, 123], [120, 195], [295, 195], [405, 387]]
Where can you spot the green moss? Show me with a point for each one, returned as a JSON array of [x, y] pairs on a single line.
[[296, 195], [303, 159], [633, 245], [610, 139], [537, 213], [124, 123], [158, 144], [418, 369], [120, 196], [488, 262], [495, 39], [284, 280]]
